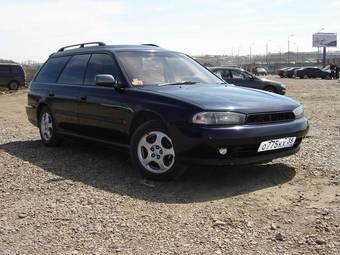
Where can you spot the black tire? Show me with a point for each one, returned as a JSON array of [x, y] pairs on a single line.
[[173, 172], [13, 85], [270, 89], [54, 139]]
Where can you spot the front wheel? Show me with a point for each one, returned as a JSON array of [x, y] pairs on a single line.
[[152, 152]]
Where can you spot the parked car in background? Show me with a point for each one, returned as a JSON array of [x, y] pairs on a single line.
[[241, 77], [280, 72], [311, 72], [260, 71], [12, 75], [163, 106], [289, 73]]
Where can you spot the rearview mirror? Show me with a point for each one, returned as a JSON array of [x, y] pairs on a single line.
[[106, 80]]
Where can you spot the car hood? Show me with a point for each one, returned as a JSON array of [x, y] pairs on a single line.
[[226, 97], [270, 81]]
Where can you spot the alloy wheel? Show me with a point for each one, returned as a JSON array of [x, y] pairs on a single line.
[[156, 152]]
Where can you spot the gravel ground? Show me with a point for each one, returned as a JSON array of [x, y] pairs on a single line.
[[81, 198]]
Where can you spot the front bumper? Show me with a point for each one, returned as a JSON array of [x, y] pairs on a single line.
[[199, 145]]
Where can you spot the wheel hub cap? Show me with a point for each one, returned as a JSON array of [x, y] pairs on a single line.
[[46, 126], [156, 152]]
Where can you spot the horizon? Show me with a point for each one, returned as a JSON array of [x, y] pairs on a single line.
[[195, 27]]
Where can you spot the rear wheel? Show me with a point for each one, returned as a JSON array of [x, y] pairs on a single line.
[[13, 85], [152, 152], [47, 128]]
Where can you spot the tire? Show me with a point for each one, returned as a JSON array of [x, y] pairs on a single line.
[[13, 85], [47, 128], [270, 89], [153, 154]]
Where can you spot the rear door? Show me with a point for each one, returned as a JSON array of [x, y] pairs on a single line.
[[5, 75], [102, 111]]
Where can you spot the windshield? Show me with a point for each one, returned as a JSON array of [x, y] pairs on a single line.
[[163, 68]]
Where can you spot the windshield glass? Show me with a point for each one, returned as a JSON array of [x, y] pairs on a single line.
[[163, 68]]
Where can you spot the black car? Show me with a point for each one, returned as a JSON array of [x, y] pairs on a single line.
[[290, 72], [281, 71], [164, 106], [240, 77], [12, 75], [311, 72]]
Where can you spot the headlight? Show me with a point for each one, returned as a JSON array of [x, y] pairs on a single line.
[[283, 86], [298, 112], [218, 118]]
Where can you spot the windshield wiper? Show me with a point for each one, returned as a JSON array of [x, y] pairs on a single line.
[[179, 83]]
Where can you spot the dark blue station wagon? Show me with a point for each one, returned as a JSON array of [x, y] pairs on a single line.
[[166, 108]]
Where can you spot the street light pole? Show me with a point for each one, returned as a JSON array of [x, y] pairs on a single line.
[[288, 47], [267, 51]]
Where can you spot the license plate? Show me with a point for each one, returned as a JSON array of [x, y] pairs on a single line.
[[276, 144]]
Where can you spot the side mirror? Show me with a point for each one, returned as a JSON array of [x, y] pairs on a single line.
[[106, 80]]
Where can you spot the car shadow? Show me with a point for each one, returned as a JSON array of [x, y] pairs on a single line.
[[110, 170]]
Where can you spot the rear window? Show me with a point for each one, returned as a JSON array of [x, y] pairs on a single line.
[[16, 69], [51, 70], [74, 71]]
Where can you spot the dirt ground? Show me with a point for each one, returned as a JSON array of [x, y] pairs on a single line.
[[81, 198]]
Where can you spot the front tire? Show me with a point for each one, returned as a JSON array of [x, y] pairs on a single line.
[[47, 128], [152, 152]]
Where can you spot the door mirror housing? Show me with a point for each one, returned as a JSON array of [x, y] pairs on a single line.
[[106, 80]]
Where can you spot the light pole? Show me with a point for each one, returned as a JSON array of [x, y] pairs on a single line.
[[288, 47], [250, 53], [318, 46], [267, 50]]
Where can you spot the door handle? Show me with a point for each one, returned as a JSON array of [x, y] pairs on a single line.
[[83, 98]]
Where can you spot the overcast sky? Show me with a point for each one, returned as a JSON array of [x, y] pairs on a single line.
[[33, 29]]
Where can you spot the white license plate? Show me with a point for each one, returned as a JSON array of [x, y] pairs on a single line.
[[276, 144]]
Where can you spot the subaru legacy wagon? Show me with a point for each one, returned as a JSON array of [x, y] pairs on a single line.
[[165, 107]]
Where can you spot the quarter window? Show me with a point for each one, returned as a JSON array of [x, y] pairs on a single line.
[[51, 70], [75, 70], [100, 64]]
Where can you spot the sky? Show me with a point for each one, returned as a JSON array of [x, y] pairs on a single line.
[[33, 29]]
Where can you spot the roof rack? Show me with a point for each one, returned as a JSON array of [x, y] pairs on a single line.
[[150, 44], [81, 45]]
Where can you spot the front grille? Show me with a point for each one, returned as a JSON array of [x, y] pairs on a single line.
[[270, 117]]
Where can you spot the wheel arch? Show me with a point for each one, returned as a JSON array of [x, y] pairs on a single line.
[[142, 117]]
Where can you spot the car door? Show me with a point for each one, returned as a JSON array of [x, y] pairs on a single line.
[[64, 95], [103, 113], [5, 75], [243, 79]]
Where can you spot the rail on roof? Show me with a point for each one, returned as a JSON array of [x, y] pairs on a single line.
[[81, 45]]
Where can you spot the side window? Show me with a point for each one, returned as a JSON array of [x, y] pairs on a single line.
[[74, 71], [100, 64], [219, 73], [226, 75], [51, 70], [4, 69], [237, 75]]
